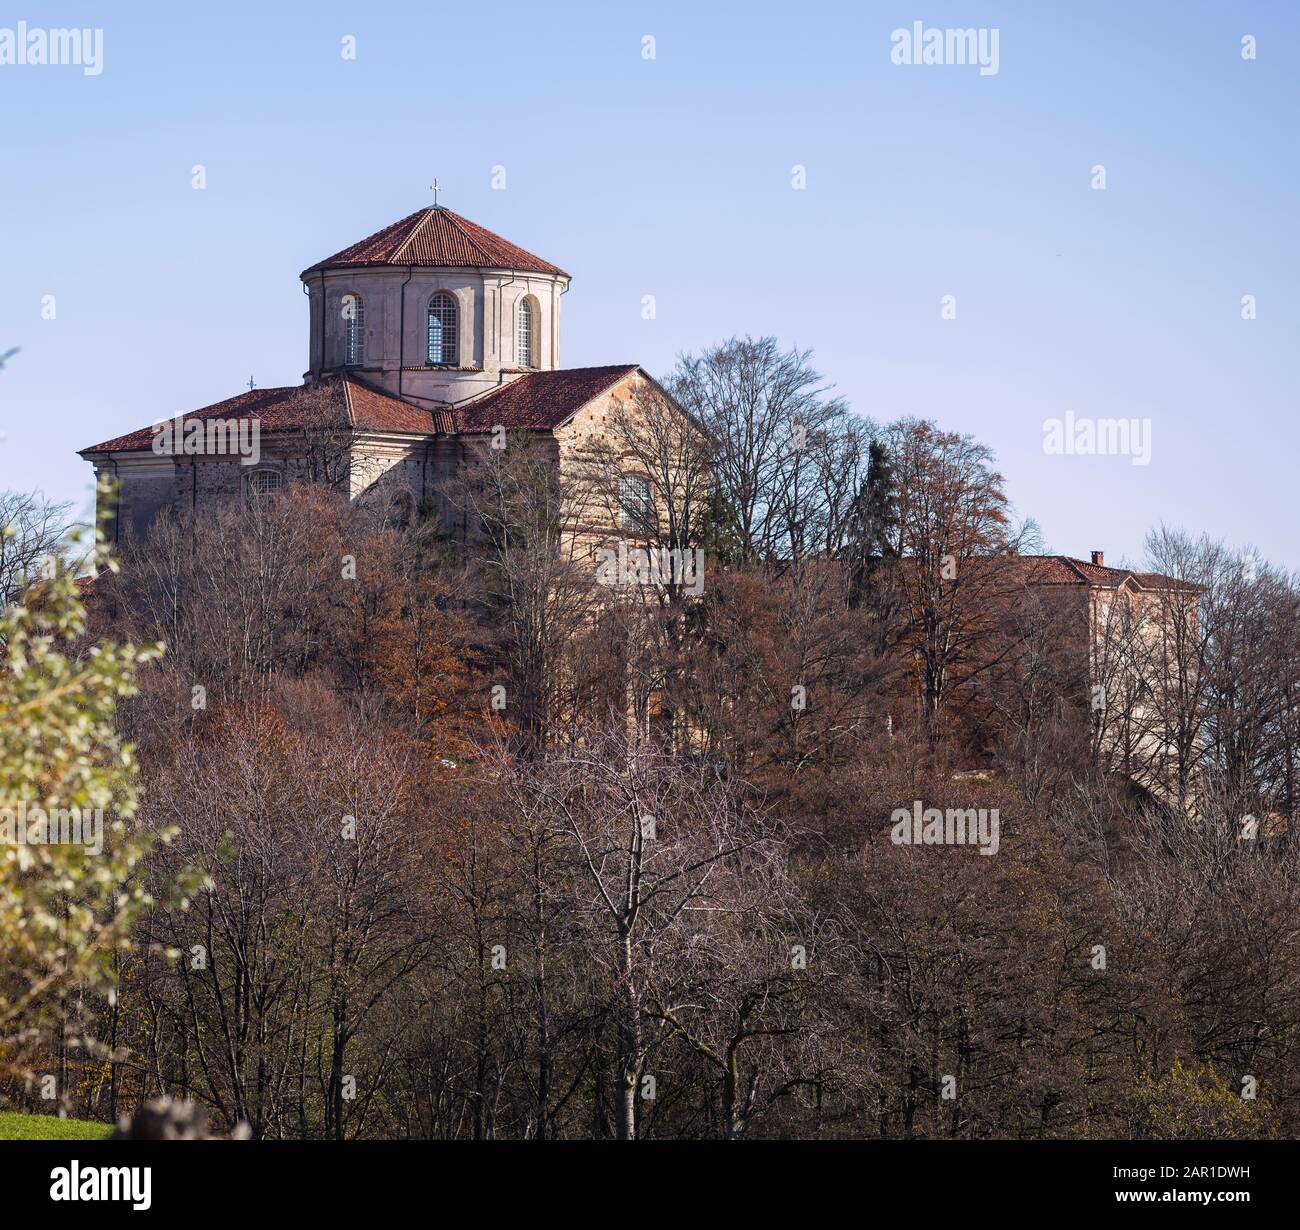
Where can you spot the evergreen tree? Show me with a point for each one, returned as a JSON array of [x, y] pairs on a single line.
[[721, 535], [873, 526]]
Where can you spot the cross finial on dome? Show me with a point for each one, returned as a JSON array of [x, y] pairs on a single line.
[[434, 187]]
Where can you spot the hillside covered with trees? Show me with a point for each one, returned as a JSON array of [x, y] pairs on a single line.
[[406, 842]]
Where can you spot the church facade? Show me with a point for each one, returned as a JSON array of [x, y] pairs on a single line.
[[429, 340]]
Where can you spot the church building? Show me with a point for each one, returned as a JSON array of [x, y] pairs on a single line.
[[428, 340]]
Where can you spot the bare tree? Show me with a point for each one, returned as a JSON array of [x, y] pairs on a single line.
[[534, 572], [324, 436], [33, 536], [649, 839], [952, 524], [762, 406]]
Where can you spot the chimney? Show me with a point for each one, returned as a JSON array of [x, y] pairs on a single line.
[[1099, 558]]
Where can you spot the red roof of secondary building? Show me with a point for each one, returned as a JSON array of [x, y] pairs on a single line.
[[335, 400], [437, 238], [540, 400], [1065, 570]]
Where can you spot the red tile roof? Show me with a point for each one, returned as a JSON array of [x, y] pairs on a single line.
[[434, 238], [372, 409], [337, 400], [537, 401], [540, 400], [1065, 570]]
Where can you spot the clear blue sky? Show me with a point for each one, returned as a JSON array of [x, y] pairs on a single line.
[[672, 177]]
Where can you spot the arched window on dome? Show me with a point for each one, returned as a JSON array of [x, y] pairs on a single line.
[[354, 329], [526, 333], [443, 340]]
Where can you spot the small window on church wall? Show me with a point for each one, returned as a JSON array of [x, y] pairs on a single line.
[[354, 330], [635, 505], [526, 333], [442, 330], [264, 482]]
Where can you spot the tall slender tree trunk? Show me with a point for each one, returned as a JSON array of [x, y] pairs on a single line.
[[629, 1042]]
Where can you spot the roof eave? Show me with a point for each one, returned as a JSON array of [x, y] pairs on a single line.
[[504, 270]]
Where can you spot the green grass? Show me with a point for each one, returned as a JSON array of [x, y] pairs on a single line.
[[50, 1127]]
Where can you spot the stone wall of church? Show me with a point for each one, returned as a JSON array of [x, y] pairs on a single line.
[[185, 486], [143, 493], [399, 476], [394, 475]]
